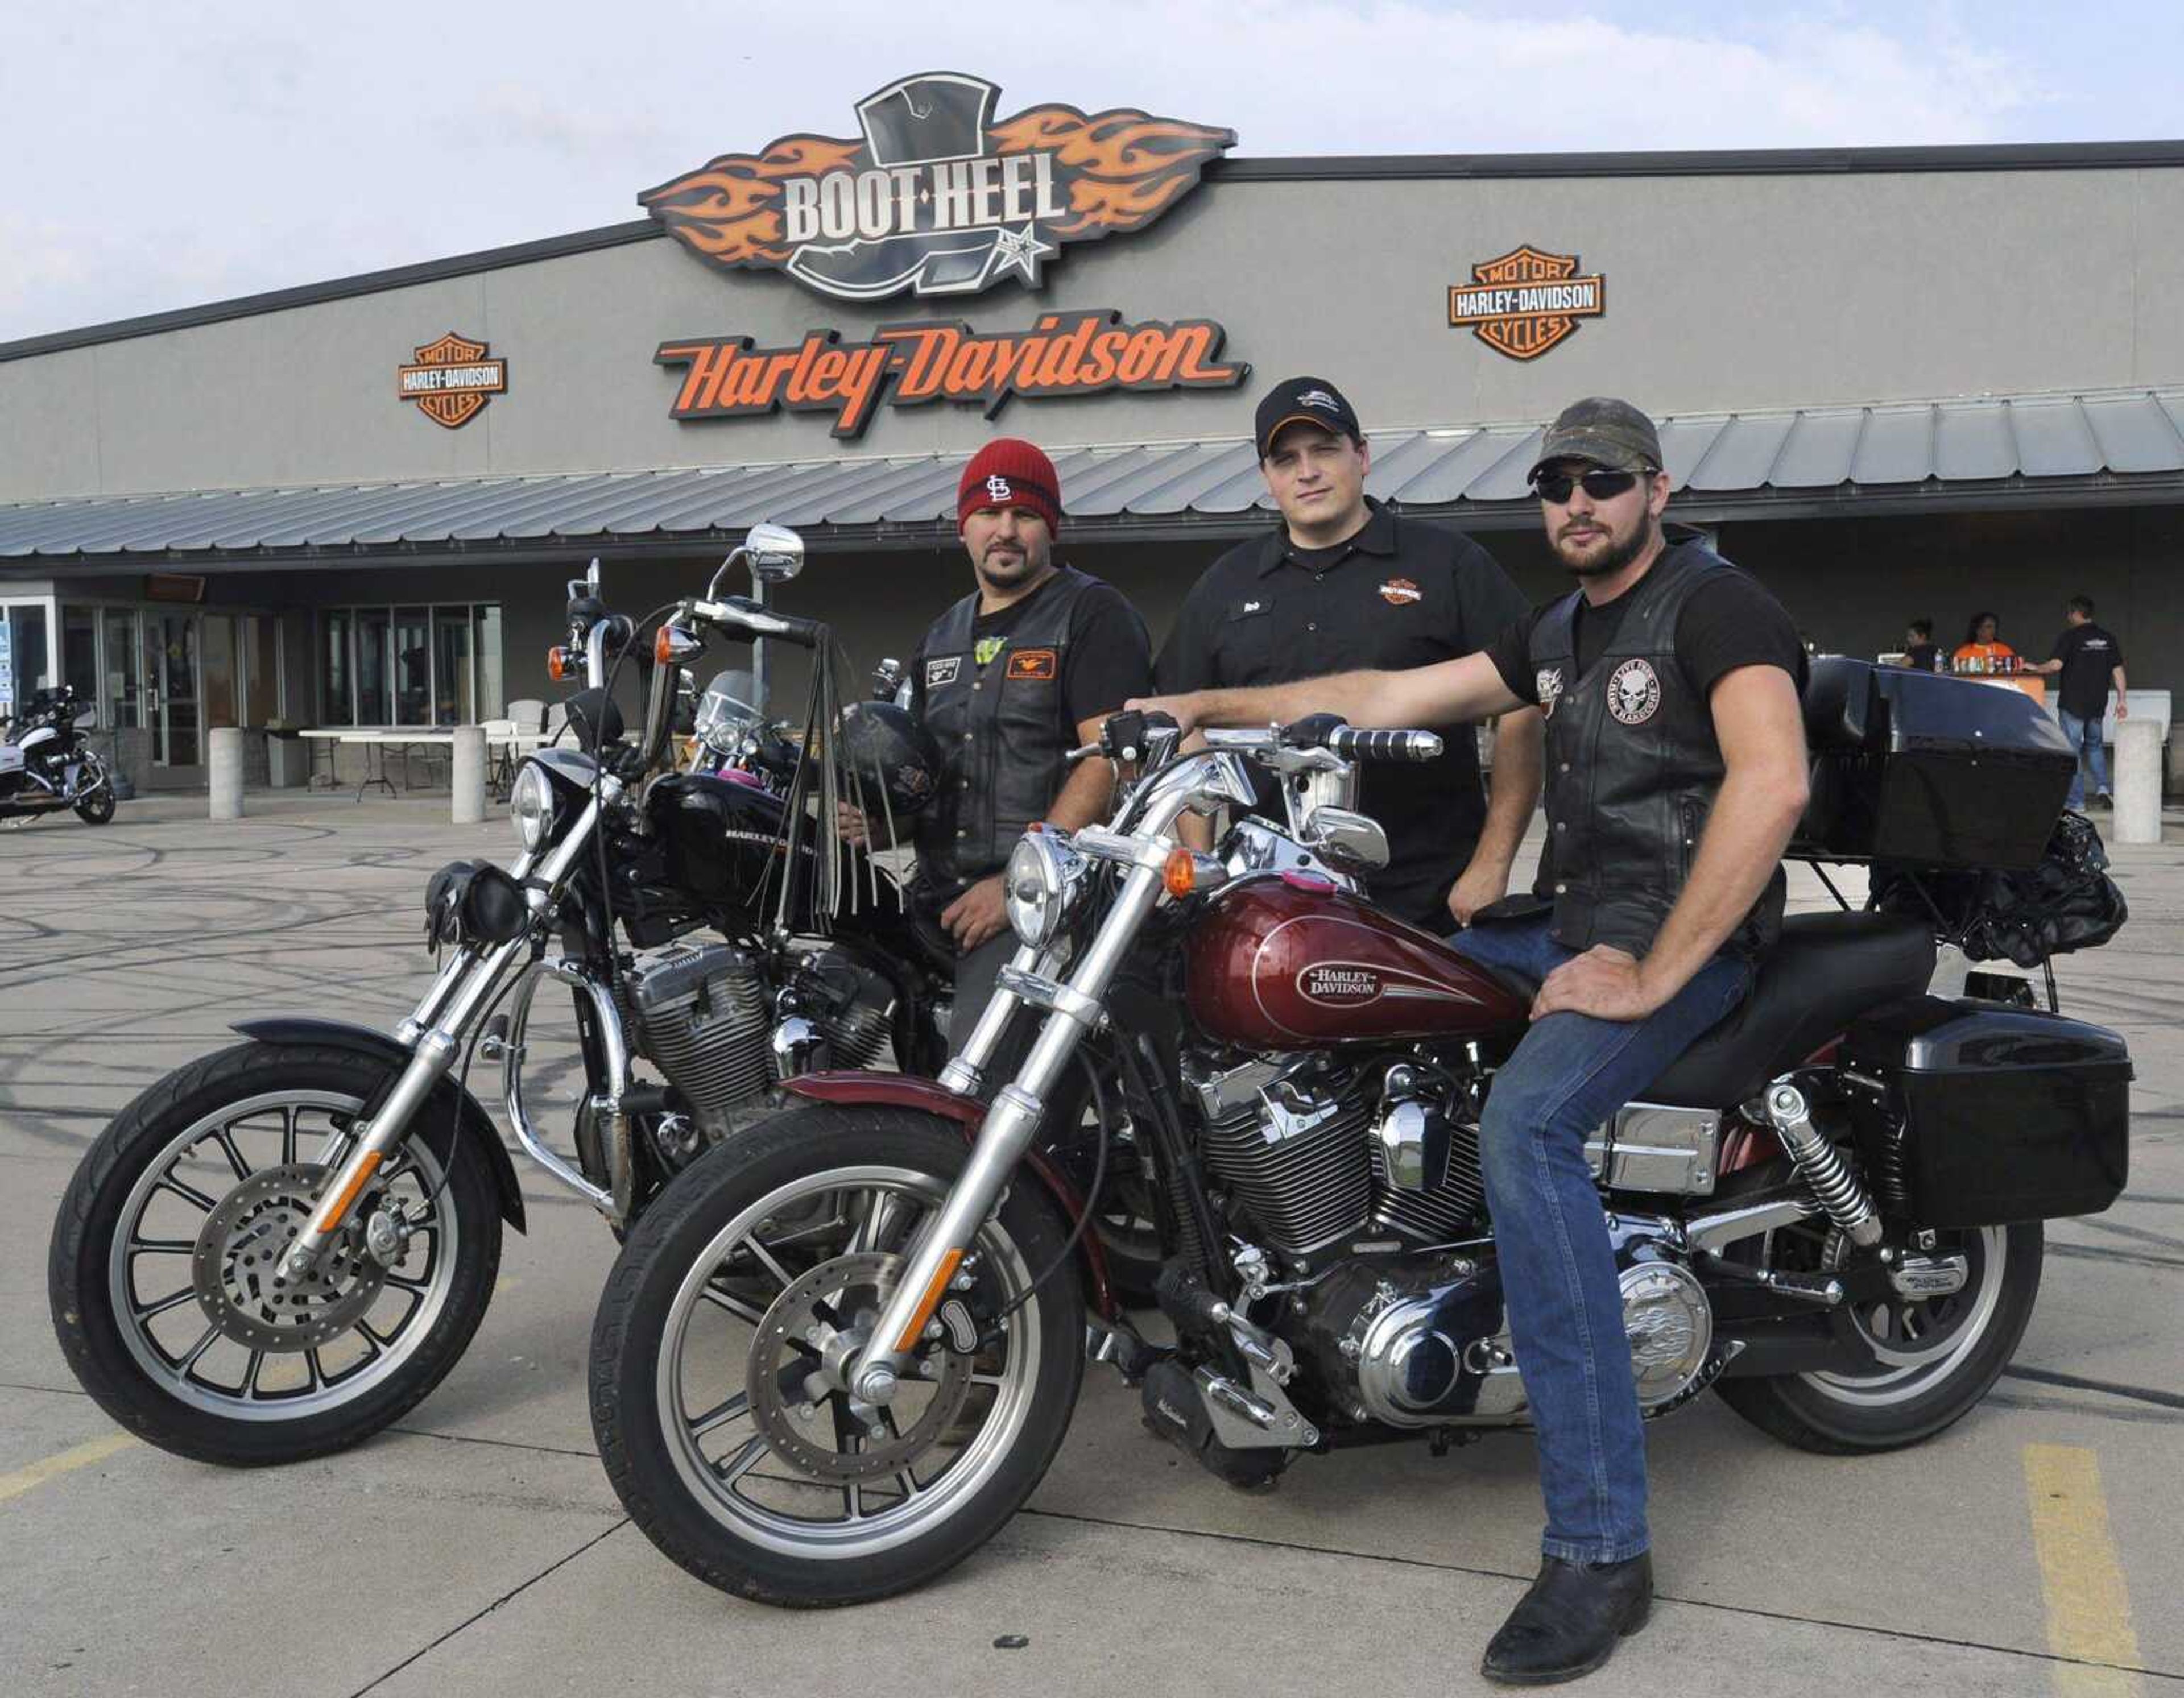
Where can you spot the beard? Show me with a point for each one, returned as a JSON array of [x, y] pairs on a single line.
[[1008, 569], [1618, 553]]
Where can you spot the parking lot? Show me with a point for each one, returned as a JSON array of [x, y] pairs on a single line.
[[477, 1549]]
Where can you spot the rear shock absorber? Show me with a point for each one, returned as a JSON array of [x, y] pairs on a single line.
[[1822, 1165]]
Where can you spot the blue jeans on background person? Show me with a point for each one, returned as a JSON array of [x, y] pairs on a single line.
[[1569, 1074], [2085, 735]]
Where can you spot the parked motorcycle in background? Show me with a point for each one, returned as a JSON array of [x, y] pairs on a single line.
[[278, 1249], [846, 1345], [45, 765]]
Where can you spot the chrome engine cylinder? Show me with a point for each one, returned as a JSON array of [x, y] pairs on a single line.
[[702, 1019]]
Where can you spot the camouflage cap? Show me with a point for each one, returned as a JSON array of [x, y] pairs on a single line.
[[1608, 432]]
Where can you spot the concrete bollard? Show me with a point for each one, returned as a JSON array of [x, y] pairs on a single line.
[[226, 765], [2137, 781], [468, 770]]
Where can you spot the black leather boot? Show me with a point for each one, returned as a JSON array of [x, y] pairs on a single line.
[[1568, 1624]]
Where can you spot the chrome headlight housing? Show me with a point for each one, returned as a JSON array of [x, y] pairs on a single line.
[[1044, 880], [533, 807]]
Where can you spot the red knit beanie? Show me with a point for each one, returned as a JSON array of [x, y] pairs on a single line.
[[1009, 472]]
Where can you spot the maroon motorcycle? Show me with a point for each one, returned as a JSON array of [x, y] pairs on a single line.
[[845, 1346]]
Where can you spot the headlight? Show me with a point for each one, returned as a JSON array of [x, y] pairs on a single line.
[[530, 805], [1042, 884]]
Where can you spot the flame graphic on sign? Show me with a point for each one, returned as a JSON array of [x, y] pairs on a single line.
[[728, 208], [1132, 163]]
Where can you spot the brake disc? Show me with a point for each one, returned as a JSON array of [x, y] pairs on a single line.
[[234, 1268], [799, 1369]]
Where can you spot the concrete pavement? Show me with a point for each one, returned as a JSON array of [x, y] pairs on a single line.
[[477, 1549]]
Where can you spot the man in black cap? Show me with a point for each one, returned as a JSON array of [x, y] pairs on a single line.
[[1344, 584], [1675, 776]]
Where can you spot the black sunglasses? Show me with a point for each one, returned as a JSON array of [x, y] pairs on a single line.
[[1555, 486]]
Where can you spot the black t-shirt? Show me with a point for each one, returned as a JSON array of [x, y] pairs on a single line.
[[1920, 657], [2089, 655], [1732, 623], [1106, 660], [1398, 594]]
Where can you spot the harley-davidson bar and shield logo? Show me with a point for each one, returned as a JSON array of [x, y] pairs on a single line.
[[452, 380], [1526, 301], [935, 198]]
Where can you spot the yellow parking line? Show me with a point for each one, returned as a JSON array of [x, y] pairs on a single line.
[[2088, 1603], [98, 1450]]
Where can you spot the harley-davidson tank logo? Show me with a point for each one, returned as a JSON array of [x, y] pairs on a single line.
[[452, 380], [1634, 694], [935, 196], [1340, 984], [1400, 592], [1524, 301]]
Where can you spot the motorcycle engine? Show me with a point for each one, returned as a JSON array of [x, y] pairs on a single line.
[[1322, 1155], [707, 1017]]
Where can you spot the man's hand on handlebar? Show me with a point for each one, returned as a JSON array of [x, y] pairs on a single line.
[[1183, 710]]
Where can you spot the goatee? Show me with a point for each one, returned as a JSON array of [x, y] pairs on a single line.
[[1617, 556]]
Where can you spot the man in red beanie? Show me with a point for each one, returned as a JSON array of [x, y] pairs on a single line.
[[1009, 679]]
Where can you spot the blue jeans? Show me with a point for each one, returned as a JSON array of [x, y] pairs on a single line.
[[1569, 1074], [2085, 735]]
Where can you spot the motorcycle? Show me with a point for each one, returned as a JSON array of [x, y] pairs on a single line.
[[844, 1348], [45, 766], [281, 1248]]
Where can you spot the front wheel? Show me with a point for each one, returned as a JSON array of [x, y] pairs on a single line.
[[719, 1356], [163, 1273], [94, 804], [1927, 1361]]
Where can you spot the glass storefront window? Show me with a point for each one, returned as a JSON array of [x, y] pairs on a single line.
[[79, 652], [335, 707], [216, 650], [261, 670], [124, 670], [25, 651], [374, 706], [453, 703], [412, 666]]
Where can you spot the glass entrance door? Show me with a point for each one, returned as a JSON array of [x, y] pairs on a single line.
[[171, 673]]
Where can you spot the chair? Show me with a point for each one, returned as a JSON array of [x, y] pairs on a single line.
[[557, 720], [527, 715], [500, 756]]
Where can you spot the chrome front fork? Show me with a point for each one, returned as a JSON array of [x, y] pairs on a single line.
[[1007, 1131]]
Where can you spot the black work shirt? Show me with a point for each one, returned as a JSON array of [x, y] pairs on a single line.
[[2089, 655], [1398, 594]]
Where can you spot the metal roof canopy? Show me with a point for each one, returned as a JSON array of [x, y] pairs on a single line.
[[1991, 451]]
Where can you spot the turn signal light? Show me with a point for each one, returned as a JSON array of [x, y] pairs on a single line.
[[663, 647], [557, 663], [1180, 874]]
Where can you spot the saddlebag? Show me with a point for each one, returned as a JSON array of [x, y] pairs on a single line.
[[1928, 770], [1992, 1115]]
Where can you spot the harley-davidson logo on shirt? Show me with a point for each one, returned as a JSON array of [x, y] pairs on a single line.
[[1400, 592], [1032, 663]]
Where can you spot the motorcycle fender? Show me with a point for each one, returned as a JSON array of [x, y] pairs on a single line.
[[925, 1096], [341, 1035]]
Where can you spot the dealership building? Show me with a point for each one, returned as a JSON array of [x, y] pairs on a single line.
[[1890, 382]]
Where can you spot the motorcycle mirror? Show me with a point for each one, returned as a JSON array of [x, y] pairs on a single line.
[[774, 552], [1347, 839]]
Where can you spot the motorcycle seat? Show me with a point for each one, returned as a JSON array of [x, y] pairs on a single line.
[[1827, 969]]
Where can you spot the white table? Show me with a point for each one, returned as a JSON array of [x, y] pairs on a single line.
[[376, 740]]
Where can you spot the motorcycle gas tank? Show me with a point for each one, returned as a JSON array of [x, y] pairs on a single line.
[[37, 739], [1291, 961], [720, 836]]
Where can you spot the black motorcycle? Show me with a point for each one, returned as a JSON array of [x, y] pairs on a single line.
[[45, 765], [280, 1249]]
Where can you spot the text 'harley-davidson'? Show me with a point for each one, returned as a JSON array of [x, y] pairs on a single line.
[[845, 1346], [278, 1249]]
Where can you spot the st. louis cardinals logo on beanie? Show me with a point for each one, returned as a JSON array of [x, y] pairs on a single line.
[[1009, 472]]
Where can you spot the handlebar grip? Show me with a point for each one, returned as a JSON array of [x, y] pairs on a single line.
[[1353, 744]]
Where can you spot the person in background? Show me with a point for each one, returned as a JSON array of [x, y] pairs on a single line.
[[1983, 643], [2090, 661], [1919, 650]]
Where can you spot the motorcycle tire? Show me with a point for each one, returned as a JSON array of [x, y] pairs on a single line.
[[1940, 1377], [110, 1341], [97, 808], [688, 1504]]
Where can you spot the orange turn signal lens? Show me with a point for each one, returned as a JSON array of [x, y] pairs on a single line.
[[1180, 873], [663, 647], [557, 663]]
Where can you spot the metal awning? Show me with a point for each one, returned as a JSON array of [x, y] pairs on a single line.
[[1990, 450]]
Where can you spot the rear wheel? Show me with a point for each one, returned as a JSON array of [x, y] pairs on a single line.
[[718, 1356], [1929, 1360]]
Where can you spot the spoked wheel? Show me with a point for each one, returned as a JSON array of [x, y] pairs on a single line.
[[94, 802], [1930, 1358], [164, 1275], [720, 1364]]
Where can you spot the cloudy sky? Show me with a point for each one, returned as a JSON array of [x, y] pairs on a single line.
[[157, 155]]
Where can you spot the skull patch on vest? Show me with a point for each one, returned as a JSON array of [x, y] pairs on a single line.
[[1634, 694]]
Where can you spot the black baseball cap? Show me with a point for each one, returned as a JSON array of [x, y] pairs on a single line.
[[1303, 400], [1607, 432]]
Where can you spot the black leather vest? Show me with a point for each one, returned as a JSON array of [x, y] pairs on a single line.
[[1633, 768], [1002, 728]]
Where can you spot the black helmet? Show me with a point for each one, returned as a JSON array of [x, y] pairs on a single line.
[[881, 748]]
